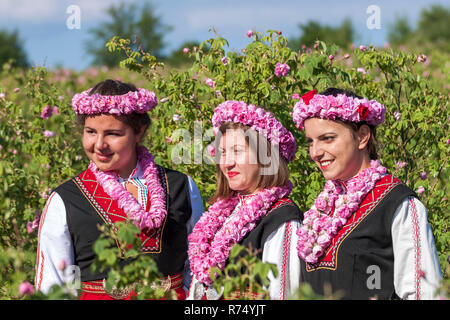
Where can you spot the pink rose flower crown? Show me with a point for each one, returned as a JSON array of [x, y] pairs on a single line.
[[313, 105], [140, 101], [258, 119]]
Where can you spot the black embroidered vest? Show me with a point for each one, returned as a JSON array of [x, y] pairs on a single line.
[[87, 205], [283, 211], [359, 263]]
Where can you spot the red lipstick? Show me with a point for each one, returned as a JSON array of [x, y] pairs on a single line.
[[231, 174]]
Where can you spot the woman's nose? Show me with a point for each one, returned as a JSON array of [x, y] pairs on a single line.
[[315, 151], [100, 142]]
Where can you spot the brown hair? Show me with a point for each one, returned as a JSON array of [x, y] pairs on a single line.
[[371, 144], [114, 88], [280, 178]]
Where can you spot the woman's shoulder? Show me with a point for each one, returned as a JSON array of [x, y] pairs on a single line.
[[286, 209]]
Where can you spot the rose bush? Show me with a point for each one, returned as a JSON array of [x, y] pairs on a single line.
[[40, 145]]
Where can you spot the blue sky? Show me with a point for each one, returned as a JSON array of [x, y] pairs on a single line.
[[49, 42]]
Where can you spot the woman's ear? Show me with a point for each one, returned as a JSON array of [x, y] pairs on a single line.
[[141, 133], [363, 136]]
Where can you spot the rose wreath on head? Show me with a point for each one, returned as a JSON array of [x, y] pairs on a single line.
[[224, 225], [313, 105], [321, 223], [139, 101]]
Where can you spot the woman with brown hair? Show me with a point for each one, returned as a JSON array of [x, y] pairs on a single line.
[[121, 182], [251, 205], [367, 234]]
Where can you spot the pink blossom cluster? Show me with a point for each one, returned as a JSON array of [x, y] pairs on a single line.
[[48, 111], [140, 101], [319, 226], [281, 69], [258, 119], [33, 225], [211, 240], [145, 220], [339, 107]]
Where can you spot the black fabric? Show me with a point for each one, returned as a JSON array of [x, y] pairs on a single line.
[[83, 221], [367, 248], [258, 236]]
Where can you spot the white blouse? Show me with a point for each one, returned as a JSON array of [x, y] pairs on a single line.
[[55, 247]]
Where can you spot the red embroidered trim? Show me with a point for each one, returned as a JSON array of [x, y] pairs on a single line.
[[381, 189], [40, 266], [286, 246], [416, 233]]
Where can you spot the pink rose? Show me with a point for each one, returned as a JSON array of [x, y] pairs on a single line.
[[281, 69], [25, 288], [49, 134], [249, 33], [210, 83], [420, 190]]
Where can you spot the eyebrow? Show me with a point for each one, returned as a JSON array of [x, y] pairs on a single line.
[[321, 136], [107, 130]]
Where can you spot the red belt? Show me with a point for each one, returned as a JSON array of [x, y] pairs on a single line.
[[97, 287]]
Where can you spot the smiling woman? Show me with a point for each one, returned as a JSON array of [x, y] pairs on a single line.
[[364, 219], [121, 183], [251, 206]]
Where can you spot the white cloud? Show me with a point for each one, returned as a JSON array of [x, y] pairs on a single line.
[[28, 10]]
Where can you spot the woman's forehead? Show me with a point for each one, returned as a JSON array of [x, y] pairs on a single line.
[[233, 137], [104, 122], [315, 127]]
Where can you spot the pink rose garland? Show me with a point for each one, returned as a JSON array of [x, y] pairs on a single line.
[[211, 240], [320, 225], [146, 221]]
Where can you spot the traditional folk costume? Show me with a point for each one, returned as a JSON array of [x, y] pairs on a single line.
[[166, 209], [367, 237], [266, 220]]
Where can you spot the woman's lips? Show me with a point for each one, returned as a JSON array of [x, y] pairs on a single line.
[[231, 174], [325, 164], [103, 157]]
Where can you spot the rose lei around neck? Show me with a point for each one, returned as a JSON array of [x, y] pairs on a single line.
[[211, 241], [145, 220], [320, 225]]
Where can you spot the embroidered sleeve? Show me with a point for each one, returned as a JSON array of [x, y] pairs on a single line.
[[54, 245], [416, 265], [280, 249]]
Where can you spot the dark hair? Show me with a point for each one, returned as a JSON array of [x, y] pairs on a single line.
[[280, 178], [115, 88], [371, 145]]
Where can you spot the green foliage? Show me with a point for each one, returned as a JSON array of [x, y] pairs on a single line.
[[342, 35], [30, 163], [127, 21], [431, 30], [245, 276], [12, 49], [118, 253]]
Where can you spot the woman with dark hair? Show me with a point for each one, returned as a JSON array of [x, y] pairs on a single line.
[[121, 182], [251, 205], [367, 234]]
